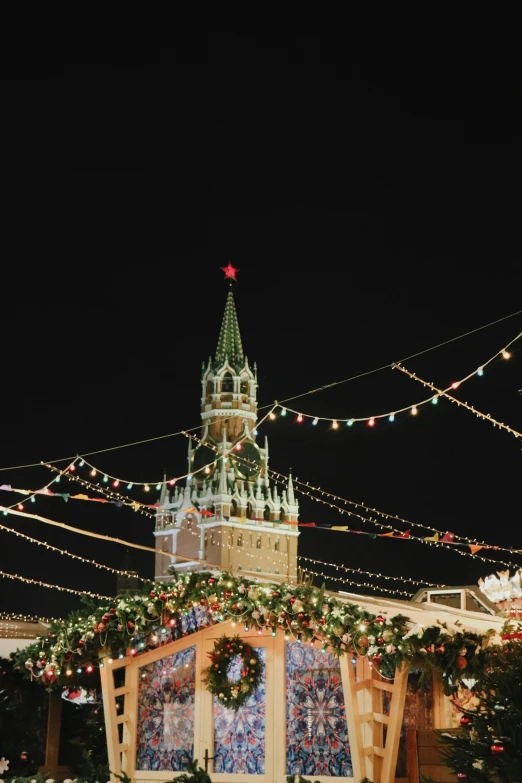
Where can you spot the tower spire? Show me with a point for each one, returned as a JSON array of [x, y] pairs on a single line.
[[229, 344]]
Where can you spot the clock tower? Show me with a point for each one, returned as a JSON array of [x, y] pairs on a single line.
[[229, 514]]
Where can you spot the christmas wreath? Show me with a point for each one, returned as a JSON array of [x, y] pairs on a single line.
[[233, 694]]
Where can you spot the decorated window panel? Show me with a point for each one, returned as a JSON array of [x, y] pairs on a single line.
[[165, 715], [317, 740], [240, 736]]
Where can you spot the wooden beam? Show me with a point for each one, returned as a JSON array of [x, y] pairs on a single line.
[[122, 691], [123, 718], [394, 725], [412, 759]]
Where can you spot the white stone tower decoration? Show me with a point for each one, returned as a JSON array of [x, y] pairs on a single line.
[[228, 514]]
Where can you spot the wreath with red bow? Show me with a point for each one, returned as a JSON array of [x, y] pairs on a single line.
[[233, 694]]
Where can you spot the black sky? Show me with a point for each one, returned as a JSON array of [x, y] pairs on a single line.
[[373, 209]]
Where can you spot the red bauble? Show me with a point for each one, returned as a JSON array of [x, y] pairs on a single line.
[[228, 594], [322, 621], [300, 615], [292, 600], [461, 662], [163, 596], [461, 775], [211, 580], [497, 748], [112, 610], [81, 642], [276, 594], [215, 607], [203, 602], [377, 658], [23, 756], [380, 640], [305, 623], [379, 619], [101, 627], [152, 594], [130, 625], [465, 720]]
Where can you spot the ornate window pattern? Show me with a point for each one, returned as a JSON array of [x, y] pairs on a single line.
[[316, 729], [166, 702], [239, 737]]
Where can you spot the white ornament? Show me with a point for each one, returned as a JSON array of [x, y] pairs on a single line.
[[4, 765]]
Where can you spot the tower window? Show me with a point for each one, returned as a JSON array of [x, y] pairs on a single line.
[[244, 387], [276, 546], [258, 543], [210, 387], [227, 384], [240, 540]]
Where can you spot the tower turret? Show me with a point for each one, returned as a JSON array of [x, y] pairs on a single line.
[[228, 486]]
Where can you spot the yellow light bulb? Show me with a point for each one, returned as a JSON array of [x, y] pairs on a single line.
[[414, 410], [506, 355], [272, 415], [335, 425]]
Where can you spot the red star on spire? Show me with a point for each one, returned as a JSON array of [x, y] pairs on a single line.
[[230, 271]]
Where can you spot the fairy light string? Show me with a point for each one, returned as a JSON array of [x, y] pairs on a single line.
[[411, 408], [61, 589], [282, 479], [275, 562], [445, 393], [71, 554], [12, 617]]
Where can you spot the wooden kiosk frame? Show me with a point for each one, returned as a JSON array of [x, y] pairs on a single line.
[[373, 733]]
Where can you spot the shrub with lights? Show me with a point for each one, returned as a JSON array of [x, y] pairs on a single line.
[[490, 746]]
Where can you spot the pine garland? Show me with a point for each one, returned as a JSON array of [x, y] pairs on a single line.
[[163, 612]]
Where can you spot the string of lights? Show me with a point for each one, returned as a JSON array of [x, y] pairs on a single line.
[[346, 581], [117, 480], [255, 556], [391, 414], [369, 573], [282, 479], [409, 523], [444, 393], [404, 359], [25, 618], [61, 589], [32, 494], [71, 554], [101, 451]]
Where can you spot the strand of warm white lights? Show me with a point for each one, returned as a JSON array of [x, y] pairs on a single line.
[[470, 541], [390, 415], [116, 481], [275, 476], [11, 617], [444, 393], [345, 580], [70, 554], [71, 590], [369, 573], [32, 495], [256, 556], [359, 584]]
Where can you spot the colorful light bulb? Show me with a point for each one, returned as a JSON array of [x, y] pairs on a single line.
[[506, 355], [414, 410], [371, 422], [299, 417], [435, 400], [335, 425], [480, 371], [391, 417]]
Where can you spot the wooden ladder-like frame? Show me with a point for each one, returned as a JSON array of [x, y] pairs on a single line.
[[377, 753], [121, 753]]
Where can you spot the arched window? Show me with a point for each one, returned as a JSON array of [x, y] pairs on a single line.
[[276, 545], [258, 542], [244, 387], [267, 514], [210, 386], [234, 508], [227, 384], [240, 539]]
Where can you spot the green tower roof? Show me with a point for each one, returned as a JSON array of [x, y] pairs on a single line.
[[229, 343]]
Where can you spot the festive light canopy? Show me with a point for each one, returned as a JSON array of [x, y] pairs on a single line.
[[164, 612]]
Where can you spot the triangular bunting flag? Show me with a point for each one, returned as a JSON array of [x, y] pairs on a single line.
[[475, 548], [448, 538], [432, 538]]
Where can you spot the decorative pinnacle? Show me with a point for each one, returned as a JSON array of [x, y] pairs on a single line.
[[229, 344]]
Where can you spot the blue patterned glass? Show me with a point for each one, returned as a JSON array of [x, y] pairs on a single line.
[[316, 730], [239, 737], [166, 702]]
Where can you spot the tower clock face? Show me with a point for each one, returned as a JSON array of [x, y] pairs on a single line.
[[247, 462], [201, 457]]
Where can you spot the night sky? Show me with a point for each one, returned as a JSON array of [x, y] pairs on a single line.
[[373, 210]]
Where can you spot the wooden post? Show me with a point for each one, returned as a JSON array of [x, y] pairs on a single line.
[[393, 736], [412, 757], [52, 767]]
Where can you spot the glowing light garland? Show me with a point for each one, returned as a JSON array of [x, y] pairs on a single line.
[[71, 554], [26, 618], [432, 541], [444, 393], [369, 573], [71, 590], [412, 409]]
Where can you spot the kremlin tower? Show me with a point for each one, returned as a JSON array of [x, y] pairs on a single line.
[[228, 514]]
